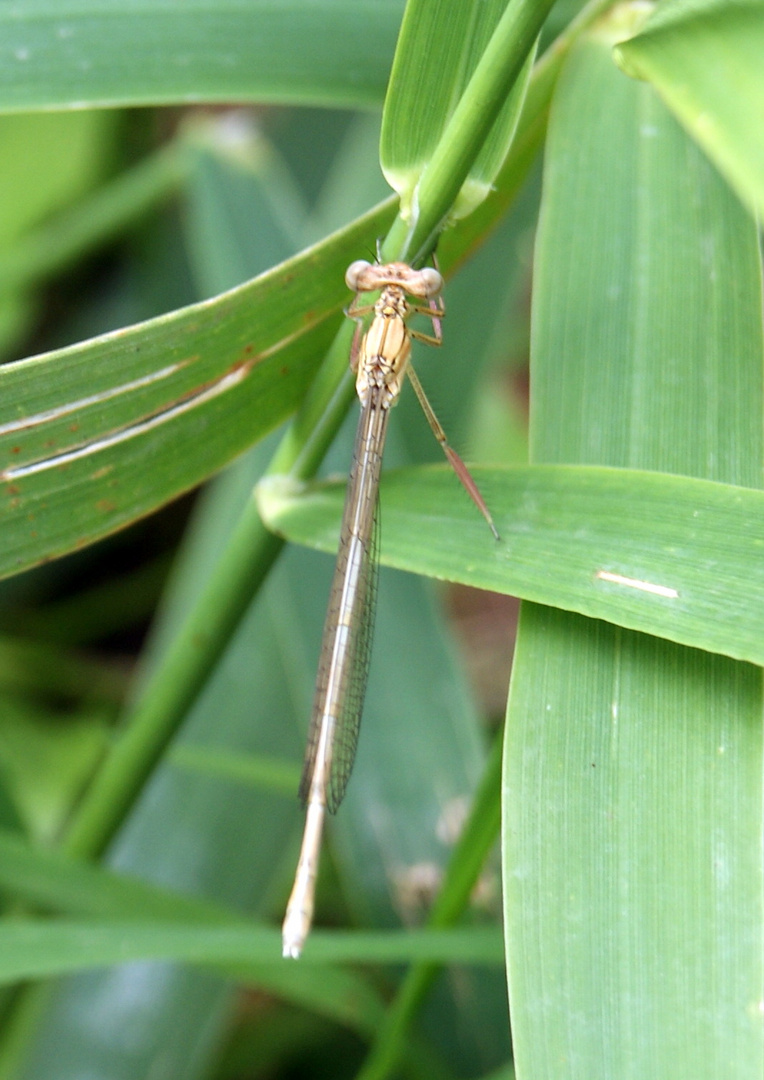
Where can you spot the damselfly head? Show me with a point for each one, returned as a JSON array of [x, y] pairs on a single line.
[[363, 276]]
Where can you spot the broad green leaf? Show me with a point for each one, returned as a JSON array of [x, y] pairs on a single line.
[[100, 433], [632, 881], [705, 60], [633, 787], [60, 53], [673, 556], [438, 50]]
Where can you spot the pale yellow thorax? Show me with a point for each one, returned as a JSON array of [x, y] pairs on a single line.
[[385, 350]]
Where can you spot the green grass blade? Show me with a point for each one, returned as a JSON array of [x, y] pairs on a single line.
[[465, 126], [60, 52], [253, 770], [154, 923], [33, 949], [704, 59], [526, 144], [439, 47], [632, 906], [673, 556], [100, 433], [633, 788]]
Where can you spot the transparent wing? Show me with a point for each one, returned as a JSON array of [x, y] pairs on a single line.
[[346, 642]]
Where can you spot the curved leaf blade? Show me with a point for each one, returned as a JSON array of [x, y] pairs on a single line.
[[438, 49], [444, 172], [58, 53], [673, 556], [704, 59], [98, 434]]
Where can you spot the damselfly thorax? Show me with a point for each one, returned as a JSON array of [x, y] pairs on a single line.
[[382, 361]]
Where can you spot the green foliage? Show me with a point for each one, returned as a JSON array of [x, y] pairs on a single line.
[[633, 764], [424, 98], [173, 283], [705, 62], [654, 552]]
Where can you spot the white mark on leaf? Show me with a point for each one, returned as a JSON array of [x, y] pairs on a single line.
[[95, 446], [637, 583]]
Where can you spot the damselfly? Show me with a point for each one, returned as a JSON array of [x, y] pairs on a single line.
[[381, 363]]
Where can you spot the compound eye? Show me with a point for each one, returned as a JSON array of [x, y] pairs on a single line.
[[432, 281], [354, 273]]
